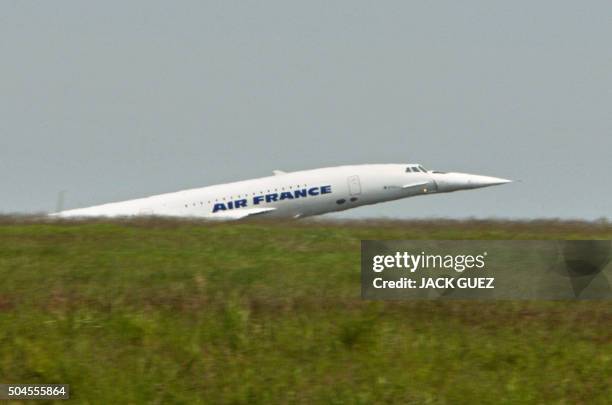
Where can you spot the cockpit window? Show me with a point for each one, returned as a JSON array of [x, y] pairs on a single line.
[[421, 168]]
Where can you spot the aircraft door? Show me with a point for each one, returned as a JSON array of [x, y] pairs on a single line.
[[354, 185]]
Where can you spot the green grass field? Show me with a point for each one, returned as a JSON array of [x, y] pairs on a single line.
[[157, 311]]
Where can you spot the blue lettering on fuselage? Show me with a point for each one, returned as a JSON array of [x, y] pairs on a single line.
[[219, 207], [313, 191], [301, 193], [273, 197]]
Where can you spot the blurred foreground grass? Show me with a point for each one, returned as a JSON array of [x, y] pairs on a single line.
[[159, 311]]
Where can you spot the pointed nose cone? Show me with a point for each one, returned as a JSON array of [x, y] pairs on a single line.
[[475, 181], [461, 181]]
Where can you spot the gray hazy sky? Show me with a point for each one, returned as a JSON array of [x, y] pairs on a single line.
[[114, 100]]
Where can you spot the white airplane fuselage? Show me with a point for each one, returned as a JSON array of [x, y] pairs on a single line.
[[295, 194]]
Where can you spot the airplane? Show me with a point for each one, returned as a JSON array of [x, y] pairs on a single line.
[[294, 194]]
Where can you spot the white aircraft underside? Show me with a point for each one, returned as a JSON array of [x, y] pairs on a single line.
[[294, 195]]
